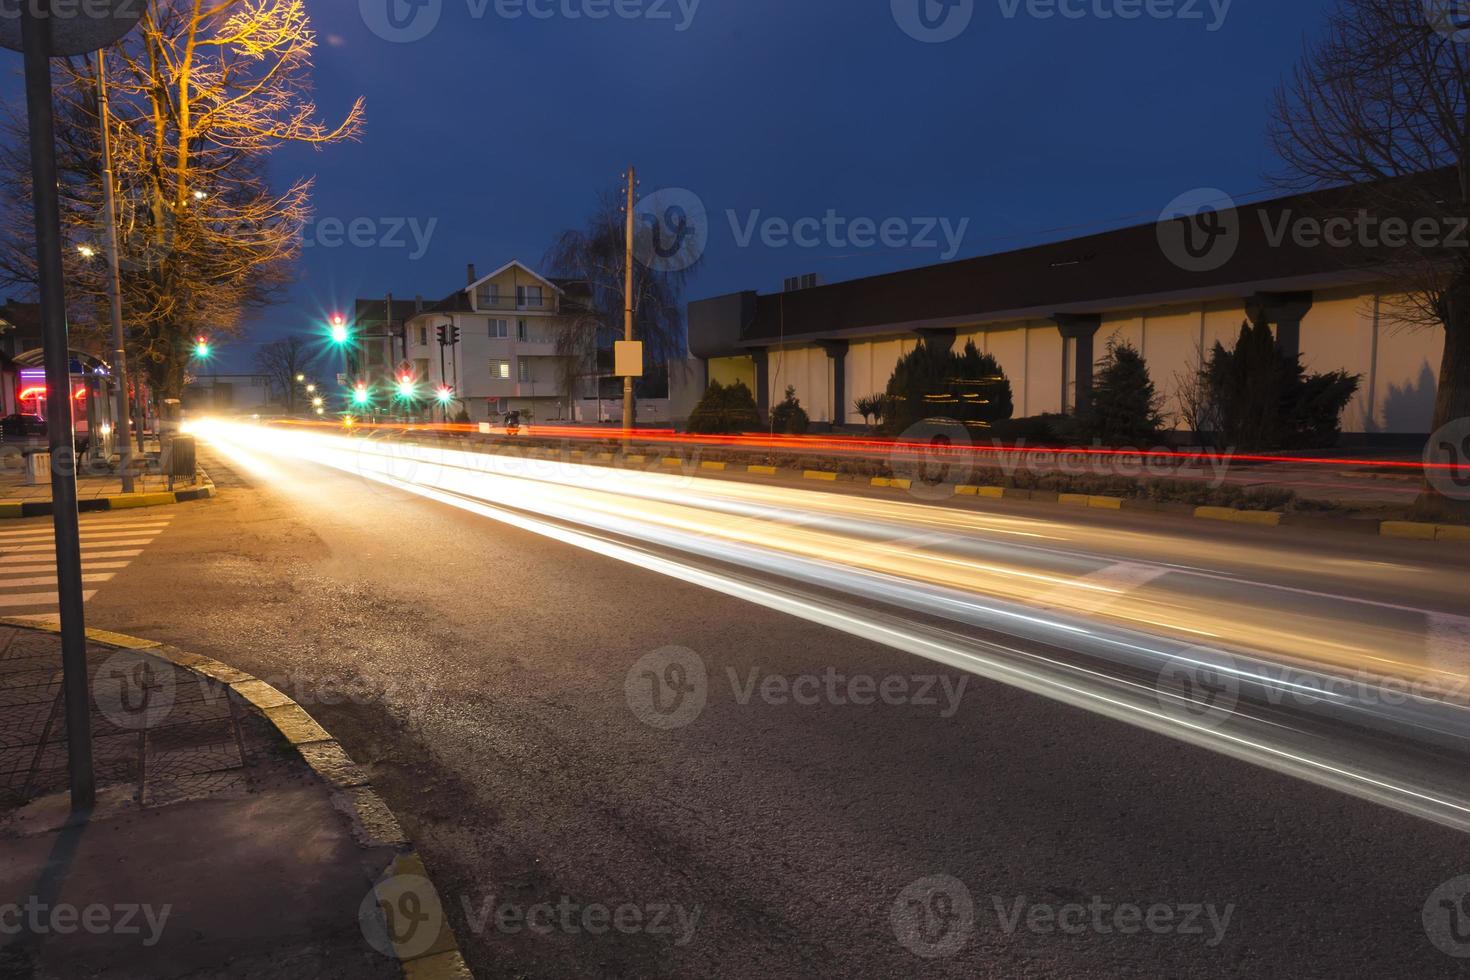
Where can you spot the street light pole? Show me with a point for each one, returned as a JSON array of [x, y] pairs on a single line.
[[122, 427], [628, 408], [35, 43]]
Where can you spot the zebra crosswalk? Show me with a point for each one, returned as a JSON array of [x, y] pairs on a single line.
[[110, 542]]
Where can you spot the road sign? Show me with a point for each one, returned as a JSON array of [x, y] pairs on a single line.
[[628, 358], [77, 26]]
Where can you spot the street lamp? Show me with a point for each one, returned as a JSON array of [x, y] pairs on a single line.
[[310, 389], [86, 251]]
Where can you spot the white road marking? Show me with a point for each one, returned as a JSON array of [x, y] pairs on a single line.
[[31, 583], [42, 533], [36, 599], [1095, 592], [51, 546], [49, 565]]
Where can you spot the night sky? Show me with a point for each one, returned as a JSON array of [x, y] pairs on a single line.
[[491, 132]]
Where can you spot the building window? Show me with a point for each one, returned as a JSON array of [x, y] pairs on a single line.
[[421, 368], [488, 296], [528, 297], [523, 331], [500, 370], [499, 330], [422, 333], [523, 367]]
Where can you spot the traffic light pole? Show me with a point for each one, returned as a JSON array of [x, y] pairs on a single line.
[[629, 412], [35, 40]]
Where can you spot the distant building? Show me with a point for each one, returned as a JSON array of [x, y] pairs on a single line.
[[1047, 313], [526, 342]]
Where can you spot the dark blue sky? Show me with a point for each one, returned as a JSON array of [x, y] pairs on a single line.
[[500, 129]]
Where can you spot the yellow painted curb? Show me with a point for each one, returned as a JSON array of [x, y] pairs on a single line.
[[901, 483], [131, 500], [635, 459], [1105, 503], [711, 465], [764, 470], [964, 490], [1214, 513], [1263, 518], [121, 640], [994, 493], [8, 509], [671, 461], [879, 481], [605, 457], [1408, 529], [1073, 499], [1452, 532], [819, 475]]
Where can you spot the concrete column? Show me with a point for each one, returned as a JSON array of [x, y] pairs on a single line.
[[762, 382], [1081, 329], [837, 353], [1285, 311]]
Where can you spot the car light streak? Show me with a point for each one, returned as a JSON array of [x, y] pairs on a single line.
[[1078, 625]]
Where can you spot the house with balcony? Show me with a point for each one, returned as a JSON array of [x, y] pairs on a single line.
[[526, 342]]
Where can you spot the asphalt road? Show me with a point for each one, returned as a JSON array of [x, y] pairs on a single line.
[[493, 680]]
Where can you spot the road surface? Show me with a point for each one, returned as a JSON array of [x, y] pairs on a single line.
[[835, 806]]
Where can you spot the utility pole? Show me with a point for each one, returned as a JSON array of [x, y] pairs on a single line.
[[628, 409], [122, 427]]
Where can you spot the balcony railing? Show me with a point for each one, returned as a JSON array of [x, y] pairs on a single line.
[[510, 304]]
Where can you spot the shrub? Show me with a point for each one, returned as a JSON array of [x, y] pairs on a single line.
[[725, 410], [1257, 398], [933, 382], [870, 408], [789, 417], [1125, 404]]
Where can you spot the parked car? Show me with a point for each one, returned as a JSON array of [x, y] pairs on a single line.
[[22, 427]]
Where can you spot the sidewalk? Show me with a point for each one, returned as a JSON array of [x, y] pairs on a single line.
[[231, 838]]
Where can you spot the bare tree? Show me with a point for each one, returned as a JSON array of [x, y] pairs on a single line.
[[282, 362], [202, 92], [1383, 100], [595, 256]]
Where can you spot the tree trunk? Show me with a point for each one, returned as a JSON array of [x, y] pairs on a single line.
[[1446, 499]]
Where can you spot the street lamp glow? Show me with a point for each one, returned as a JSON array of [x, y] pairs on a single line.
[[316, 403], [86, 251], [300, 377], [310, 388], [444, 394], [200, 195]]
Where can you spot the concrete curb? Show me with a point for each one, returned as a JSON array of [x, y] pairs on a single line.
[[10, 509], [373, 824]]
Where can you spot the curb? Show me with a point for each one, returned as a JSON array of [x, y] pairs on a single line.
[[10, 509], [373, 823]]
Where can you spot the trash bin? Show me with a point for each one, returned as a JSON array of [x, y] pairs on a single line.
[[183, 462], [38, 469]]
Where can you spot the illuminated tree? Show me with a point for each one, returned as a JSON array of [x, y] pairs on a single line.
[[201, 93]]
